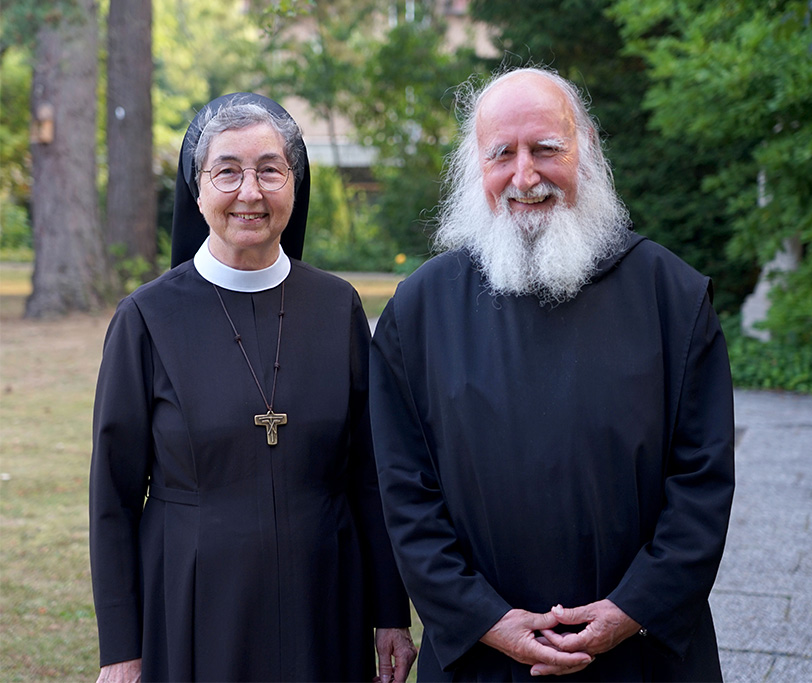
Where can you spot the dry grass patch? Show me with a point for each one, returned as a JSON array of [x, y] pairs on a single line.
[[47, 378]]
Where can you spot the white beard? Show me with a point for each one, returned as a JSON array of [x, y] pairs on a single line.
[[551, 254]]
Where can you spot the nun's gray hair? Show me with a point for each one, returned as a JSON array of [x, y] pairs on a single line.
[[235, 115]]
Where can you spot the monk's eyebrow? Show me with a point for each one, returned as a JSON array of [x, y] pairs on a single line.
[[495, 151], [546, 144], [555, 144]]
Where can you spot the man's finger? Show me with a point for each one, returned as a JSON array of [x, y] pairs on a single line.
[[554, 670], [558, 639], [541, 622], [385, 671], [556, 662], [570, 642], [572, 615]]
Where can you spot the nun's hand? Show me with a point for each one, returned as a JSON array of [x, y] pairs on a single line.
[[394, 644], [121, 672]]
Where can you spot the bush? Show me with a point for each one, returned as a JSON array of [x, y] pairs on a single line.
[[342, 227], [776, 364], [15, 232], [790, 316]]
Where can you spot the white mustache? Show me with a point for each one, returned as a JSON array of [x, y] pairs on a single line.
[[540, 191]]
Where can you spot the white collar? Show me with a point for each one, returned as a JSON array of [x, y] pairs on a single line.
[[240, 280]]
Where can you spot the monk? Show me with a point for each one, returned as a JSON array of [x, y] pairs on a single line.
[[552, 416]]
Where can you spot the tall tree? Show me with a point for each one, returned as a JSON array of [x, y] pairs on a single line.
[[131, 199], [70, 268]]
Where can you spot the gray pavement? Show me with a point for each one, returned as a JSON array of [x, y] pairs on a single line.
[[762, 600]]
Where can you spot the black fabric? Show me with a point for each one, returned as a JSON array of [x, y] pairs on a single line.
[[530, 456], [248, 562], [189, 229]]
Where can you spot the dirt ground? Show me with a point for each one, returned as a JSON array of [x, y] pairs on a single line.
[[47, 350]]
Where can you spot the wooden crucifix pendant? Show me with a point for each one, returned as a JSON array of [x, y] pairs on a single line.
[[270, 421]]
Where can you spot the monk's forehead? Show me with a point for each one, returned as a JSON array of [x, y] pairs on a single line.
[[524, 95]]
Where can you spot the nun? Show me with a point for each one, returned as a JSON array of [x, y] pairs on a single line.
[[236, 531]]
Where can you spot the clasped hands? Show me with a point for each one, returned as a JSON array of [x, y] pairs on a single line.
[[551, 653]]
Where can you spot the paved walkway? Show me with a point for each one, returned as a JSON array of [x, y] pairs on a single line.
[[762, 600]]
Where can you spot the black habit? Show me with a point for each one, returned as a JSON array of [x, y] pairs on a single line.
[[534, 455], [247, 562]]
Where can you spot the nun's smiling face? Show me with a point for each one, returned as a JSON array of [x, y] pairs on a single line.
[[246, 224]]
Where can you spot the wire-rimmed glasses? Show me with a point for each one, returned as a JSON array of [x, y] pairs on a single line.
[[228, 176]]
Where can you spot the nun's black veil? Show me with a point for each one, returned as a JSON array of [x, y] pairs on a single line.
[[189, 229]]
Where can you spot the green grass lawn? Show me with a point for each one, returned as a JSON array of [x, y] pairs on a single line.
[[47, 378]]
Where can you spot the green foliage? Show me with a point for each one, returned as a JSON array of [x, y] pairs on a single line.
[[735, 78], [790, 316], [777, 364], [403, 110], [270, 13], [342, 230], [321, 68], [130, 272], [391, 83], [15, 231], [23, 18], [15, 159], [202, 49]]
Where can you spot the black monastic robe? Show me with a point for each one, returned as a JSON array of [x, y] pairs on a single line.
[[534, 455], [248, 561]]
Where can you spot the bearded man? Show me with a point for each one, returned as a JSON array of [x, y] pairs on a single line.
[[552, 415]]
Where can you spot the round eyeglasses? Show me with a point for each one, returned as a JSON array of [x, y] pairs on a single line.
[[228, 176]]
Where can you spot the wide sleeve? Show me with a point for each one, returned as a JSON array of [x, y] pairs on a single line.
[[667, 585], [388, 598], [456, 603], [122, 452]]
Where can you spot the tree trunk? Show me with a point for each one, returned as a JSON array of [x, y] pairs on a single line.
[[756, 306], [70, 268], [131, 198]]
